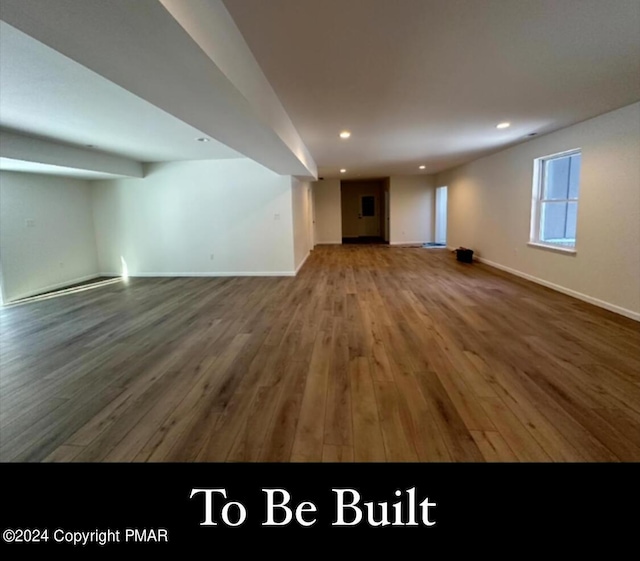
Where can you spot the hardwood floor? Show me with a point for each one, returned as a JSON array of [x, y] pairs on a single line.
[[372, 353]]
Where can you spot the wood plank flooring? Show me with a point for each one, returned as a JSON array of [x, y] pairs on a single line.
[[372, 353]]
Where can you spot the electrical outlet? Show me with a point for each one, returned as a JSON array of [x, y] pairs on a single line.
[[61, 265], [276, 216], [29, 222], [211, 257]]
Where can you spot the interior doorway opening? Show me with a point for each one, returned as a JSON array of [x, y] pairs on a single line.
[[441, 216], [365, 213]]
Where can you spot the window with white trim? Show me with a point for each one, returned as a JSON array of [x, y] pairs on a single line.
[[556, 186]]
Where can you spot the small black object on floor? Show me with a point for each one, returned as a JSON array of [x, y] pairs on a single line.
[[464, 255]]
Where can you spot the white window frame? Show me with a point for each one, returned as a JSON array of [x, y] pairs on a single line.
[[537, 200]]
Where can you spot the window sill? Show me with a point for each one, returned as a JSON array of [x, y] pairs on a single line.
[[556, 248]]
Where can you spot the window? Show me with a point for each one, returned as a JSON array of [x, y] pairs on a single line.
[[368, 206], [554, 211]]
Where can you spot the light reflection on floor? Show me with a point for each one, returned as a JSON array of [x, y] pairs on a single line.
[[64, 292]]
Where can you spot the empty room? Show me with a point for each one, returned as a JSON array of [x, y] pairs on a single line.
[[319, 231]]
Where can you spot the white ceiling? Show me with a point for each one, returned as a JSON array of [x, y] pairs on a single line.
[[45, 94], [426, 81]]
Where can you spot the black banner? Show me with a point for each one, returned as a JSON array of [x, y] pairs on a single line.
[[179, 507]]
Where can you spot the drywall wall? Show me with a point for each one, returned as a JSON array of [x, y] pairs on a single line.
[[411, 209], [490, 209], [209, 218], [302, 208], [46, 233], [327, 210], [353, 223]]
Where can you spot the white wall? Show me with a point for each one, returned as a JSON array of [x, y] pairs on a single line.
[[59, 248], [328, 214], [411, 209], [490, 207], [302, 207], [181, 213]]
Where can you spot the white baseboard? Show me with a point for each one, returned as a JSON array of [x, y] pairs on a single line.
[[407, 243], [209, 274], [569, 292], [302, 263], [51, 287]]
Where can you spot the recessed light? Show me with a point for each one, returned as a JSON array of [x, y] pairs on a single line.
[[423, 167], [343, 170], [203, 139], [503, 125], [345, 134]]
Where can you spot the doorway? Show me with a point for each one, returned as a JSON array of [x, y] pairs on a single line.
[[441, 216], [364, 212]]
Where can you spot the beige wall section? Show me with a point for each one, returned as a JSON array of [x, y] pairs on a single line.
[[490, 209], [351, 192], [327, 213], [411, 208]]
